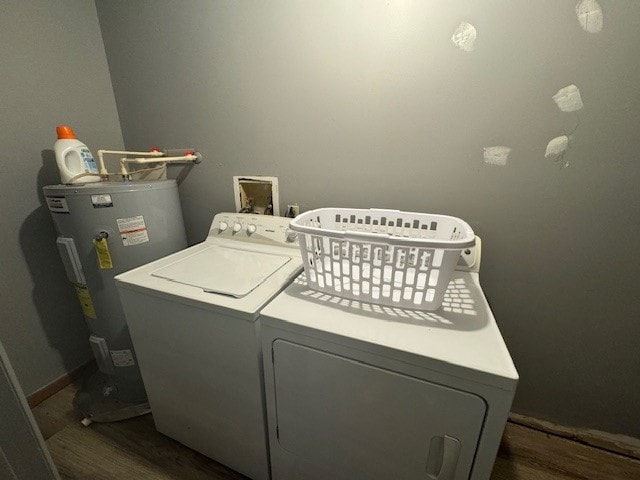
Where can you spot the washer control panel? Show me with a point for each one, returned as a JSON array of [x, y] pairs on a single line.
[[254, 228]]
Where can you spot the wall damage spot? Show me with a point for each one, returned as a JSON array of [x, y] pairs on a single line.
[[497, 155], [590, 16], [568, 99], [464, 37], [557, 148]]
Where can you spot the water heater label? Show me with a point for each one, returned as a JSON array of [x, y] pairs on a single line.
[[102, 250], [101, 201], [133, 230], [58, 204], [122, 358], [85, 301]]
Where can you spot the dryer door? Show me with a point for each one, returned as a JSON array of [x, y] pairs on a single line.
[[342, 419]]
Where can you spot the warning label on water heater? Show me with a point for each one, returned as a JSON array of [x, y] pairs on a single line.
[[101, 201], [58, 204], [85, 301], [122, 358], [133, 230]]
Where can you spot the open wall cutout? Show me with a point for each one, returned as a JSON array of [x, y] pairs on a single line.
[[256, 194]]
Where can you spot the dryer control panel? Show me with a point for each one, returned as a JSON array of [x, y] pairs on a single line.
[[254, 228]]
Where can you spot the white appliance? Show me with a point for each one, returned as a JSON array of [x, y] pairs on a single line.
[[361, 391], [105, 229], [193, 318]]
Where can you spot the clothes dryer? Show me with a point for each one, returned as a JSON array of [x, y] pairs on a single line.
[[193, 318], [357, 390]]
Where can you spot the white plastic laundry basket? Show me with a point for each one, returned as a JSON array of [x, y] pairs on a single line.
[[386, 257]]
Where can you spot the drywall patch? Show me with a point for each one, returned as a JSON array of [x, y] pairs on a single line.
[[557, 147], [568, 99], [464, 37], [497, 155], [590, 16]]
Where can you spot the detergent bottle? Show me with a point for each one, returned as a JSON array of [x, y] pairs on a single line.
[[75, 162]]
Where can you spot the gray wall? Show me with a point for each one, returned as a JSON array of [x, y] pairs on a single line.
[[365, 104], [54, 71]]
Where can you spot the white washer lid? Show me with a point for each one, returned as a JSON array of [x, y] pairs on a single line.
[[225, 270]]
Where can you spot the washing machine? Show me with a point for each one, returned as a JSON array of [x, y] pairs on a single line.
[[193, 318], [361, 391]]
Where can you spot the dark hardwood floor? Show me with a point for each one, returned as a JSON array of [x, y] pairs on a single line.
[[134, 450]]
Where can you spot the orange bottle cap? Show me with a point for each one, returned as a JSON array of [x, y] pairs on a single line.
[[65, 132]]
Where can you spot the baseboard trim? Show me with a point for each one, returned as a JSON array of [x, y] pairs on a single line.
[[40, 395], [620, 444]]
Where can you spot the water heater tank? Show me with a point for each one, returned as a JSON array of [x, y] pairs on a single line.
[[105, 229]]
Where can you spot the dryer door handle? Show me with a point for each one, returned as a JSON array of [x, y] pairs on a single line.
[[443, 458]]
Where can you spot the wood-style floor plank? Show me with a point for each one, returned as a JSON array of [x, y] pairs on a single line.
[[56, 412], [507, 469], [134, 450], [91, 456], [546, 454], [128, 450]]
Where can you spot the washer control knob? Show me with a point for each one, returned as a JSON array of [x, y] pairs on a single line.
[[223, 226], [236, 227], [251, 228]]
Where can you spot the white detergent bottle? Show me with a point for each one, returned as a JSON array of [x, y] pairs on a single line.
[[75, 162]]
